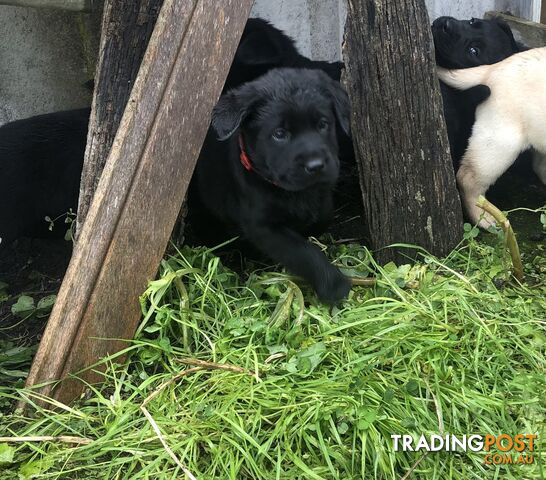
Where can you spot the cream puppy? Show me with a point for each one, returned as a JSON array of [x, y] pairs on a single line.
[[511, 120]]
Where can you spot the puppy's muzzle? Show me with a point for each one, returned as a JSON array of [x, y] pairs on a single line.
[[447, 26]]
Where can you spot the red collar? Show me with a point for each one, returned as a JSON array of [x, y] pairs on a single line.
[[243, 156], [246, 163]]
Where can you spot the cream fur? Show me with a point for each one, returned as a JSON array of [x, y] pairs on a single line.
[[511, 120]]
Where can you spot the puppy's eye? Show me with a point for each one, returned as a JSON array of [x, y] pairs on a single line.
[[472, 21], [474, 51], [323, 124], [280, 134]]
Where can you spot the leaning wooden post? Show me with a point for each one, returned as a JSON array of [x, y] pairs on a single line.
[[141, 189], [399, 133], [127, 26]]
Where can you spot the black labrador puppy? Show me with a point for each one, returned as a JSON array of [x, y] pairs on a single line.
[[464, 44], [270, 174], [41, 159]]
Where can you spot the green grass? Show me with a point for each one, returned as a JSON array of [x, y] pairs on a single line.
[[447, 346]]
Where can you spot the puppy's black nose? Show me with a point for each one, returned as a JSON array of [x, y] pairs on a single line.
[[314, 165]]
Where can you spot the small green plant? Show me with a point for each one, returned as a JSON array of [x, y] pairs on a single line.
[[25, 307], [69, 219], [14, 361], [470, 231]]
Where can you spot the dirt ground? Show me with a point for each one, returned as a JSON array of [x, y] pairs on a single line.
[[34, 268]]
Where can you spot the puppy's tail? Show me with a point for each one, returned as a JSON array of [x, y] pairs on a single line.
[[465, 78]]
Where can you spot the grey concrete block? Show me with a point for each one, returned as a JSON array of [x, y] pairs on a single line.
[[314, 24], [46, 57]]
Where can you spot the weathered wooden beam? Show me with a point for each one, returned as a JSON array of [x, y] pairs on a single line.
[[543, 12], [399, 134], [127, 26], [529, 33], [73, 5], [141, 189]]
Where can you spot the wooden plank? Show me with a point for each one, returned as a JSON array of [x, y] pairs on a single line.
[[73, 5], [127, 27], [141, 189], [543, 12], [529, 33], [399, 134]]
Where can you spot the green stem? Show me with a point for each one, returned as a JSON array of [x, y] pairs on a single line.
[[183, 306], [363, 282], [511, 241]]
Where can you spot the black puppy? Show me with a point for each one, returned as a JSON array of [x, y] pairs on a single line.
[[41, 159], [263, 47], [464, 44], [270, 174]]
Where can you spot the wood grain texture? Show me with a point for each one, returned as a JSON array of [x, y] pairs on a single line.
[[399, 133], [531, 34], [127, 26], [141, 189]]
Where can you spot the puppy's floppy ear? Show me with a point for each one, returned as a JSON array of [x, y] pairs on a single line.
[[342, 107], [232, 108], [506, 28]]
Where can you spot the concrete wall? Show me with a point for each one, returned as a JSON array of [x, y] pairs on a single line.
[[45, 56], [45, 59], [472, 8], [317, 25]]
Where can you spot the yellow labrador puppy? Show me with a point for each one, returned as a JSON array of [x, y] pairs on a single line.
[[511, 120]]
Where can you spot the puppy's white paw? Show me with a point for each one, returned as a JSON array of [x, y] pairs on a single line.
[[481, 218], [486, 221]]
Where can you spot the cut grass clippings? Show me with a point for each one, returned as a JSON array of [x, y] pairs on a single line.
[[234, 378]]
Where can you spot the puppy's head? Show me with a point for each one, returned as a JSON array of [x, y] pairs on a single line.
[[469, 43], [287, 119]]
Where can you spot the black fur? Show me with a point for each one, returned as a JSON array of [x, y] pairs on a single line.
[[464, 44], [263, 47], [41, 160], [287, 119]]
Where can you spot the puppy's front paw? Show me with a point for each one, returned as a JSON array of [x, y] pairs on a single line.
[[334, 287], [479, 216], [482, 218], [486, 221]]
